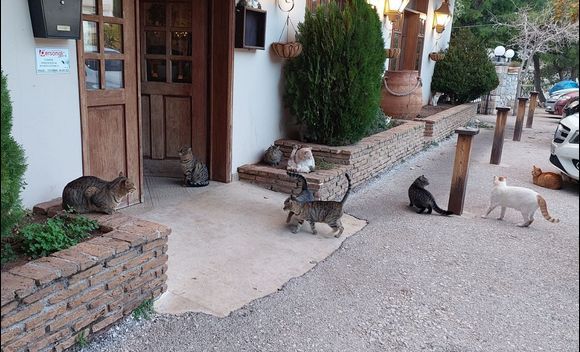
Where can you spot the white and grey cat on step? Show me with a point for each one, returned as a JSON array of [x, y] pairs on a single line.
[[301, 159], [525, 200]]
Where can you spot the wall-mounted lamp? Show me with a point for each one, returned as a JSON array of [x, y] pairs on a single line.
[[442, 15], [394, 9]]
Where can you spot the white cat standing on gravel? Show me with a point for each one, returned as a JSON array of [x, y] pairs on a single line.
[[523, 199]]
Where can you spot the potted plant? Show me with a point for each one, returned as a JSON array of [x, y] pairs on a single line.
[[392, 53], [437, 56]]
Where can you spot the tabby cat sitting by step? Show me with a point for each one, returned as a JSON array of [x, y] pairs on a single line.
[[423, 199], [329, 212], [89, 193], [195, 172], [549, 180]]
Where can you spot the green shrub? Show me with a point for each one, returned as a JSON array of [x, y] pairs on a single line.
[[55, 234], [13, 167], [466, 71], [333, 88]]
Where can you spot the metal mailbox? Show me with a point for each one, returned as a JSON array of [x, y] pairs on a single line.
[[60, 19]]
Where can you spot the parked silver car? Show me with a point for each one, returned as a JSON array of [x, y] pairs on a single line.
[[553, 98], [564, 149]]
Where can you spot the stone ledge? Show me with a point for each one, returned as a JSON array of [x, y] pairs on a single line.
[[442, 124], [362, 160], [48, 302]]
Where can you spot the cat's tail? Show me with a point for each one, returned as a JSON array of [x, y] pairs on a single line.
[[544, 209], [441, 211], [347, 189], [302, 179]]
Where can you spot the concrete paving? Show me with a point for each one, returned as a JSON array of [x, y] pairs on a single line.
[[230, 244], [409, 282]]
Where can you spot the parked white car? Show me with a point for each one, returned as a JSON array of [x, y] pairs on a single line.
[[564, 150], [553, 98]]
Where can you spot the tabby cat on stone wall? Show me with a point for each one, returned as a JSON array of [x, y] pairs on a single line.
[[273, 156], [195, 172], [329, 212], [90, 193], [550, 180]]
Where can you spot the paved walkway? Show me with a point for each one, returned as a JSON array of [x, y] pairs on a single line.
[[409, 282], [230, 244]]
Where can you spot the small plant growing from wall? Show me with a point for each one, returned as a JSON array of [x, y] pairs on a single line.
[[13, 167], [333, 88], [466, 72]]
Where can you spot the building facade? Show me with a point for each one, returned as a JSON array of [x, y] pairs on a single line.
[[147, 77]]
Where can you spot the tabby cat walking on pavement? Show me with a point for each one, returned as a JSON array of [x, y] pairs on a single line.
[[195, 172], [305, 195], [423, 199], [525, 200], [329, 212]]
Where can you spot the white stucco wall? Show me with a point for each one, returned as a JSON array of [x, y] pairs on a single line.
[[433, 42], [258, 113], [45, 107]]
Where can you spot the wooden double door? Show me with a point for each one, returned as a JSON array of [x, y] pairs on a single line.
[[144, 68], [174, 70]]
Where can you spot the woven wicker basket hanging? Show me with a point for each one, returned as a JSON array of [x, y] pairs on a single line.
[[288, 49]]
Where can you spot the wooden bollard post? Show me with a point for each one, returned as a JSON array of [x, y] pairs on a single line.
[[520, 119], [498, 135], [460, 169], [531, 109]]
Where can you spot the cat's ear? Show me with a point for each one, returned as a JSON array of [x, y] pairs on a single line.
[[121, 174]]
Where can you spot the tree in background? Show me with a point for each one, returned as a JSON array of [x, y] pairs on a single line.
[[559, 66], [538, 32], [466, 71], [481, 18], [13, 167]]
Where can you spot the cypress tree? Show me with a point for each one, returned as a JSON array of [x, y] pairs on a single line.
[[333, 88], [466, 71], [13, 167]]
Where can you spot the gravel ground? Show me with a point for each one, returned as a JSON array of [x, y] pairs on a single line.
[[410, 282]]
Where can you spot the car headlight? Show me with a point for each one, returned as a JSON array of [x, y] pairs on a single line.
[[574, 138], [561, 133]]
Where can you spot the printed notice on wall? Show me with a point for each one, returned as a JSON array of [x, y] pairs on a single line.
[[52, 60]]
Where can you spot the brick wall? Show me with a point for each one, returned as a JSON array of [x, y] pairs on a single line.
[[48, 302], [363, 160], [441, 125]]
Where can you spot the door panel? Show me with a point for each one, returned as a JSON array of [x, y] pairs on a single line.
[[107, 159], [173, 82], [108, 74], [177, 125], [146, 117]]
